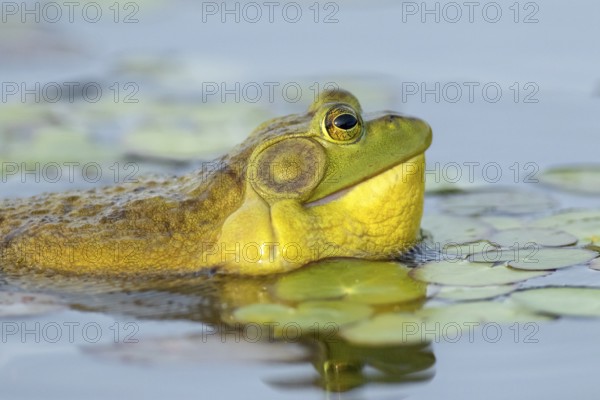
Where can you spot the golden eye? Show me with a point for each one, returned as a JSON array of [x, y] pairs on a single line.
[[343, 124]]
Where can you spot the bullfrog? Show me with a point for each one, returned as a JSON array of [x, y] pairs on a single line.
[[331, 182]]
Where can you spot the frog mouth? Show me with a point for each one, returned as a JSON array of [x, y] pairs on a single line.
[[389, 178]]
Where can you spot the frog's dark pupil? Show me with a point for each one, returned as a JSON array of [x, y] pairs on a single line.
[[345, 121]]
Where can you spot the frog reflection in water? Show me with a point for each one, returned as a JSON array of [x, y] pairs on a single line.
[[340, 364], [298, 183]]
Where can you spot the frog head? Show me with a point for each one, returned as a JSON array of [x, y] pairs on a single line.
[[333, 182]]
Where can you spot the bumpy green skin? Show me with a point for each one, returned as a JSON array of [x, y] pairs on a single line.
[[298, 189]]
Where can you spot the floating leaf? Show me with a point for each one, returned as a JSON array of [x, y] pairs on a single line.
[[473, 293], [173, 144], [435, 323], [191, 131], [523, 236], [496, 202], [17, 304], [575, 178], [546, 258], [585, 224], [436, 186], [361, 281], [493, 254], [447, 229], [595, 264], [565, 301], [56, 145], [386, 329], [464, 273], [502, 222], [465, 314], [316, 315], [461, 252]]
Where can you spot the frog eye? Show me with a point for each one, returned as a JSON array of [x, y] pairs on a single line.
[[342, 123]]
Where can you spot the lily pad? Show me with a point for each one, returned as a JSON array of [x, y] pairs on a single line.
[[465, 273], [497, 202], [386, 329], [448, 229], [542, 236], [17, 304], [575, 178], [562, 301], [585, 224], [55, 145], [360, 281], [437, 186], [174, 144], [493, 254], [183, 132], [308, 315], [595, 264], [479, 312], [502, 221], [548, 258], [462, 251], [435, 323], [459, 293]]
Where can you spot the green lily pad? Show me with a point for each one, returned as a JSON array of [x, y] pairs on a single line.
[[189, 131], [57, 145], [478, 312], [438, 186], [542, 236], [308, 315], [562, 301], [465, 273], [497, 202], [459, 293], [493, 254], [448, 229], [386, 329], [576, 178], [17, 304], [585, 224], [435, 323], [360, 281], [461, 252], [502, 221], [172, 143], [536, 259]]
